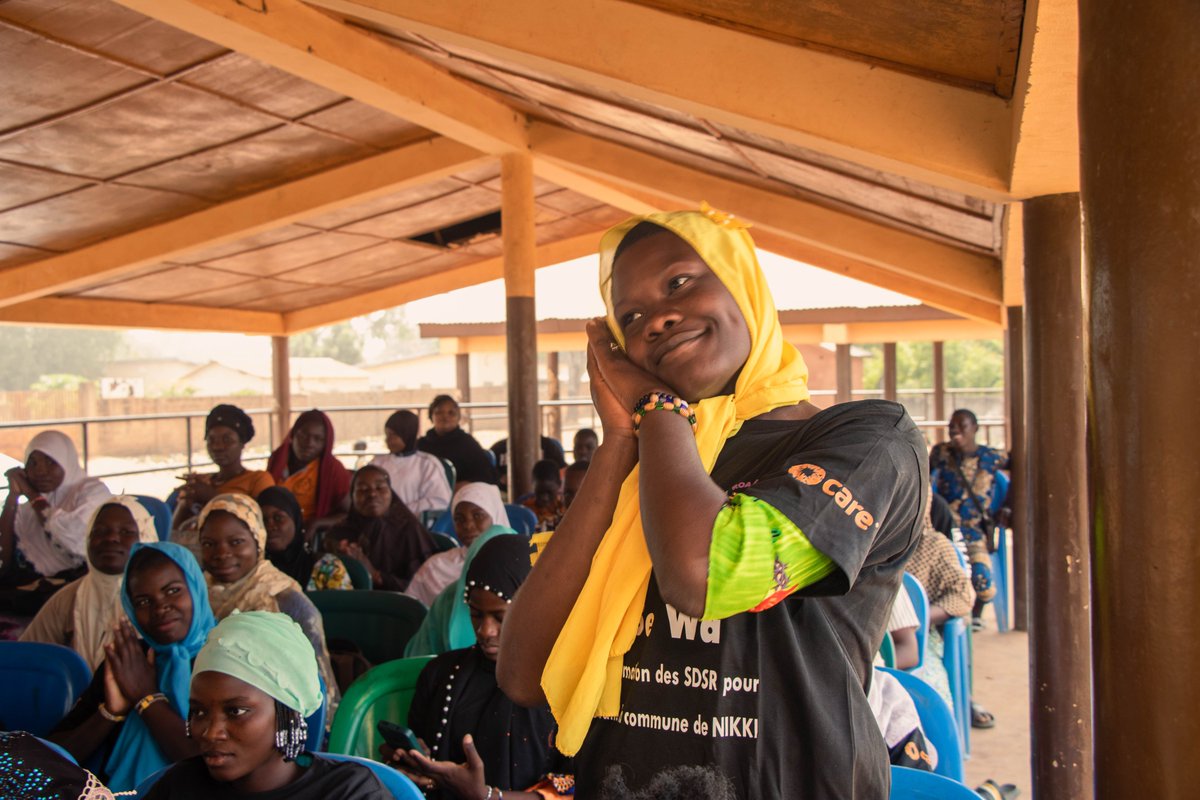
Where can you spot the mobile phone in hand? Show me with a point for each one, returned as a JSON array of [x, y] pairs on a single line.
[[400, 737]]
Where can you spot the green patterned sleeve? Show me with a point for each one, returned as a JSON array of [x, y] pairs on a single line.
[[757, 558]]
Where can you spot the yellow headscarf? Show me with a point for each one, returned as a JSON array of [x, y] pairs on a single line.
[[582, 678]]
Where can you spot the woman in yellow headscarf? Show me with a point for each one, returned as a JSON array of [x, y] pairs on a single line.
[[716, 592]]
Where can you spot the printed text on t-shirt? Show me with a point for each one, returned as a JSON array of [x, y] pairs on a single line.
[[812, 475]]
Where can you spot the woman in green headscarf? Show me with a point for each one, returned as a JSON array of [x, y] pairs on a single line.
[[253, 683]]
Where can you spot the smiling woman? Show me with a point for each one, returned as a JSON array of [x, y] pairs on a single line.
[[132, 713], [82, 614], [253, 684], [227, 431]]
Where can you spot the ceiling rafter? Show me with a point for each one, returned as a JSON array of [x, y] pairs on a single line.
[[312, 45], [125, 314], [358, 181], [957, 280], [945, 135]]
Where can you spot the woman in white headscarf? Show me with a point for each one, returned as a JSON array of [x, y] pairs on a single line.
[[475, 508], [46, 537], [82, 614]]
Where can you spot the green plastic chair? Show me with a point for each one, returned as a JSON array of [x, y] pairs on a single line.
[[887, 651], [383, 692], [380, 623], [443, 541], [359, 576]]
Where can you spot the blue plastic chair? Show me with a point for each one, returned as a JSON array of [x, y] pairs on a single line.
[[937, 722], [451, 472], [39, 684], [916, 784], [443, 524], [160, 512], [393, 780], [956, 657], [316, 724], [521, 519], [1000, 557], [920, 601], [59, 749]]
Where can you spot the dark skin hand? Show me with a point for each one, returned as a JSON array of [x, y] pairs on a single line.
[[20, 482], [464, 781]]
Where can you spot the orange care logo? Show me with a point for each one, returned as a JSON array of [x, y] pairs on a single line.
[[811, 475], [808, 474]]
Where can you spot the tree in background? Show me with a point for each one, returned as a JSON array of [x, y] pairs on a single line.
[[341, 342], [29, 353], [976, 364]]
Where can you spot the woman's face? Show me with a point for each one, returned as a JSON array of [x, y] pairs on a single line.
[[487, 617], [233, 724], [962, 431], [112, 534], [469, 521], [446, 416], [161, 601], [43, 472], [308, 441], [372, 493], [394, 441], [680, 322], [224, 446], [227, 548], [281, 528]]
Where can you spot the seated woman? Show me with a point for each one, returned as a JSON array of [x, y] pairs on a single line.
[[547, 500], [42, 541], [381, 532], [33, 768], [418, 479], [82, 614], [291, 552], [447, 440], [233, 541], [227, 430], [305, 466], [254, 683], [476, 509], [478, 739], [132, 714]]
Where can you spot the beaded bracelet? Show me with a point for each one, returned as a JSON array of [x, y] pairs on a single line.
[[661, 401], [108, 715]]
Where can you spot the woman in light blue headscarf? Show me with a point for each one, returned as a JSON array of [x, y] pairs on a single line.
[[133, 713]]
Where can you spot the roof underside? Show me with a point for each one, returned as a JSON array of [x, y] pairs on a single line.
[[151, 176]]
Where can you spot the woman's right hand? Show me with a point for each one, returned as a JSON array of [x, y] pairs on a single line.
[[616, 417], [18, 483]]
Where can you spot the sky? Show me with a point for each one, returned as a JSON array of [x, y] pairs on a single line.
[[566, 290]]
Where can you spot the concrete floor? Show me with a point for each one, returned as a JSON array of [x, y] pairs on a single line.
[[1002, 687]]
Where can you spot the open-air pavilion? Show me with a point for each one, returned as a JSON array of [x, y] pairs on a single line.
[[270, 166]]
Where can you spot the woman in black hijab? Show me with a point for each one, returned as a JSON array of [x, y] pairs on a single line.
[[480, 742], [288, 547]]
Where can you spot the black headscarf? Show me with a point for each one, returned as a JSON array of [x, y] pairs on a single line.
[[233, 417], [295, 560], [500, 566], [405, 425], [396, 543]]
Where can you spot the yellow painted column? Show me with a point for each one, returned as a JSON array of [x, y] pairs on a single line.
[[520, 243]]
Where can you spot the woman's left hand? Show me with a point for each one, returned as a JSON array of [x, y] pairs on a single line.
[[354, 550], [132, 668], [462, 781]]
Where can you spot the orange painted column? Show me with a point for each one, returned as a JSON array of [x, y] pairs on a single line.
[[281, 383], [1139, 120], [520, 241]]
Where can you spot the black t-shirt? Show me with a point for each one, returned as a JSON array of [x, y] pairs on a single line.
[[777, 699], [323, 780]]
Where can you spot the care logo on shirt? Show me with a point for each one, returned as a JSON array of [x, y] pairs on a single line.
[[811, 475]]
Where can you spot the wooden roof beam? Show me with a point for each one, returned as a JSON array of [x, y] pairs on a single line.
[[901, 123], [956, 280], [362, 180], [312, 45], [439, 283], [124, 314]]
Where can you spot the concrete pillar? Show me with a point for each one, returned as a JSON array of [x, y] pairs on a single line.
[[520, 241], [939, 381], [1019, 534], [889, 371], [462, 379], [845, 374], [281, 384], [1139, 121], [553, 392], [1056, 416]]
